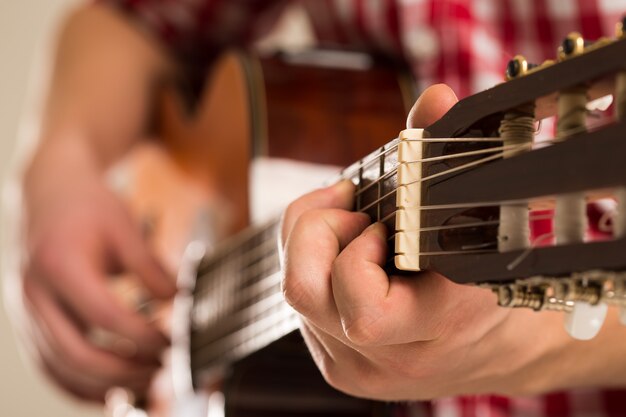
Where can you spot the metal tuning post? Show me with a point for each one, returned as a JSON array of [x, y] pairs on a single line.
[[574, 44]]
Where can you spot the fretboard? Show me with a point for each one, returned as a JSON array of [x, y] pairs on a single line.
[[238, 302]]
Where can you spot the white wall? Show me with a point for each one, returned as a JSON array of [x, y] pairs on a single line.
[[25, 25]]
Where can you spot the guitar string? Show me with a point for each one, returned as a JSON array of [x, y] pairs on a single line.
[[259, 288], [256, 336], [265, 313], [264, 329], [272, 224], [353, 170], [243, 307], [373, 159], [273, 313], [245, 279], [272, 258], [236, 263], [240, 316], [261, 324], [225, 256], [474, 163], [268, 263], [390, 173], [263, 307], [251, 322], [437, 175]]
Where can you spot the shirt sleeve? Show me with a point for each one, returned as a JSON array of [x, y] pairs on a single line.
[[194, 31]]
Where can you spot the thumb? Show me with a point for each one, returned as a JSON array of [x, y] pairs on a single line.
[[434, 102]]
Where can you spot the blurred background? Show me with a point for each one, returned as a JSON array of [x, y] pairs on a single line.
[[27, 35], [26, 30]]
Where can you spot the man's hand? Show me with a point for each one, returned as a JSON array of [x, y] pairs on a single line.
[[402, 338], [78, 235]]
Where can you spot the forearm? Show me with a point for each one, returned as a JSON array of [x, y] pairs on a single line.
[[101, 87], [598, 362], [545, 358]]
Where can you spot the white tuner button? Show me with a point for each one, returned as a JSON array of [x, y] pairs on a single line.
[[585, 320]]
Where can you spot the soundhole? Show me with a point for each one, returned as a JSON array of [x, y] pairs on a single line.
[[473, 229]]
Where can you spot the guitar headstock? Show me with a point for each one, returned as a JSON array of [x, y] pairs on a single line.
[[472, 186]]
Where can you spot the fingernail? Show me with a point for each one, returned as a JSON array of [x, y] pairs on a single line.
[[376, 229], [344, 186]]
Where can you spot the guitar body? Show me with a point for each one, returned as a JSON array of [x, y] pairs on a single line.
[[193, 184]]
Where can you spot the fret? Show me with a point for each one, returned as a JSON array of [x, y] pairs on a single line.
[[238, 319], [247, 261], [244, 296], [227, 281], [257, 333], [359, 186]]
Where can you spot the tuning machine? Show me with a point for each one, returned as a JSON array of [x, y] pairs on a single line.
[[519, 67], [583, 297], [574, 44]]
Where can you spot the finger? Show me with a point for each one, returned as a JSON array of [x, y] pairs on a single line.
[[317, 237], [340, 195], [69, 346], [433, 103], [376, 310], [84, 290], [134, 253], [342, 366]]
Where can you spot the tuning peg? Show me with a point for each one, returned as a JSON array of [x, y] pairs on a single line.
[[518, 67], [573, 45], [585, 320]]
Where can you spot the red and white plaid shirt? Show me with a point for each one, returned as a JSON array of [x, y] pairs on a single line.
[[463, 43]]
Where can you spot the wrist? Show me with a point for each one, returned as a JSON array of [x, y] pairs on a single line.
[[531, 362], [558, 362], [59, 164]]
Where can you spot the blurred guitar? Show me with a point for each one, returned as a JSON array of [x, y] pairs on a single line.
[[291, 119]]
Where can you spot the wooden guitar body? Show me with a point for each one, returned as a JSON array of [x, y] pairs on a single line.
[[193, 185]]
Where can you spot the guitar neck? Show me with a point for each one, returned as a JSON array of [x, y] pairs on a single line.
[[238, 302]]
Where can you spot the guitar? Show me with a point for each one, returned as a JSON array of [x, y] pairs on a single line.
[[428, 187], [233, 335]]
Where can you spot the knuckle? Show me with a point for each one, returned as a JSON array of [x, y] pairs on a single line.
[[295, 292], [107, 318], [79, 358], [309, 219], [46, 259], [411, 368], [292, 210], [363, 330]]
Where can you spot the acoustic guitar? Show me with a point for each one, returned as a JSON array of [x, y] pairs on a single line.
[[233, 335], [457, 197]]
